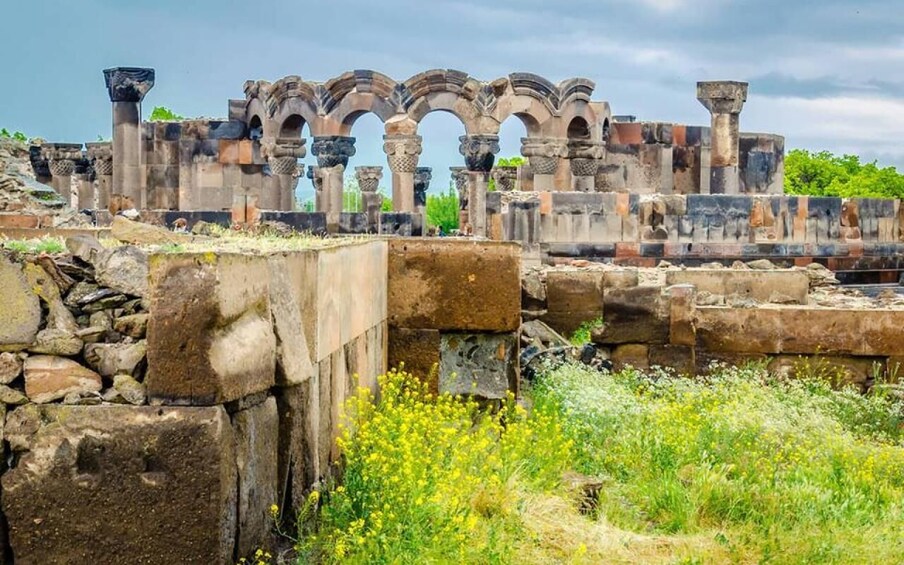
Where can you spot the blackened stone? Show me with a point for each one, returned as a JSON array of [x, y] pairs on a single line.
[[308, 222], [227, 130]]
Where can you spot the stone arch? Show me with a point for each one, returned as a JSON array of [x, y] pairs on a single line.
[[578, 128], [291, 126], [448, 91]]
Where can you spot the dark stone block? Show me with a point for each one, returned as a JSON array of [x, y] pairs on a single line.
[[652, 249], [824, 207], [219, 217], [875, 207], [623, 149], [721, 205], [307, 222], [401, 223], [583, 250], [578, 203], [353, 223], [227, 130], [697, 136], [494, 202], [172, 131]]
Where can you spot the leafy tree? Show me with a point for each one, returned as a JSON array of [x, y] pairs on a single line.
[[442, 210], [505, 162], [164, 114], [16, 135], [825, 174]]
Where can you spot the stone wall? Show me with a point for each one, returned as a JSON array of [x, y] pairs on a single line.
[[249, 361], [454, 309]]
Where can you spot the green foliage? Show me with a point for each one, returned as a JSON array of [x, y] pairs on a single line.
[[505, 162], [34, 246], [164, 114], [581, 336], [826, 174], [442, 210], [787, 472], [16, 135]]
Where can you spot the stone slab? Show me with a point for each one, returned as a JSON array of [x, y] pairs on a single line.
[[256, 432], [762, 286], [20, 308], [481, 365], [419, 351]]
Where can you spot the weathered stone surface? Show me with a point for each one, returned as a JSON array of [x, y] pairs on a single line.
[[79, 292], [682, 310], [49, 378], [635, 355], [10, 395], [20, 309], [573, 297], [138, 233], [634, 315], [210, 335], [757, 285], [57, 342], [680, 358], [110, 484], [482, 365], [454, 285], [838, 370], [123, 269], [419, 351], [131, 390], [299, 420], [256, 433], [133, 325], [10, 367], [293, 358], [84, 246], [111, 359]]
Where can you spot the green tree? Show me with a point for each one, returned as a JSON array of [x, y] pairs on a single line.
[[442, 210], [164, 114], [825, 174]]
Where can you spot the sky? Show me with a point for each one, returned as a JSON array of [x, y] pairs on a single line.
[[826, 74]]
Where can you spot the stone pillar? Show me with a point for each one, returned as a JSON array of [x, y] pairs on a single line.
[[317, 181], [505, 178], [460, 177], [40, 165], [62, 158], [724, 100], [332, 152], [402, 152], [479, 152], [422, 177], [283, 154], [84, 174], [101, 156], [585, 157], [543, 154], [127, 87], [372, 200]]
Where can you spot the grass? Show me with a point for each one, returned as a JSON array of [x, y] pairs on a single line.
[[34, 246], [581, 336], [736, 468]]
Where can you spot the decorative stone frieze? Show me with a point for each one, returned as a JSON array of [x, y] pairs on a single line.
[[543, 153], [369, 178], [402, 152], [479, 151], [333, 150], [128, 84]]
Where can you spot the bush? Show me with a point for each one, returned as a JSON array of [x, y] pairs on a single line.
[[16, 135], [164, 114], [581, 336], [442, 210], [825, 174]]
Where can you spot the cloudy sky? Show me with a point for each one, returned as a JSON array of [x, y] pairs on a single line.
[[827, 74]]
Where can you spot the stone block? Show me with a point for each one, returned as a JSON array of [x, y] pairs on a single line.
[[419, 351], [839, 369], [681, 358], [457, 285], [20, 308], [293, 356], [682, 309], [256, 432], [762, 286], [739, 330], [635, 355], [115, 484], [233, 129], [298, 461], [229, 152], [634, 315], [210, 334], [573, 297], [482, 365]]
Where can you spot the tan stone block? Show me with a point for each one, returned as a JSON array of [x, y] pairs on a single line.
[[762, 286], [256, 432], [631, 354], [454, 284], [106, 484], [572, 298], [20, 308], [293, 358], [210, 334], [228, 152], [739, 330], [49, 378], [299, 433], [418, 350], [633, 315], [246, 152], [681, 358], [682, 310]]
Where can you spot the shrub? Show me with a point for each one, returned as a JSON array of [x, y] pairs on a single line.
[[581, 336], [164, 114], [825, 174], [442, 210], [16, 135]]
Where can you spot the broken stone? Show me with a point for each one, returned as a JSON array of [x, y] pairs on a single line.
[[12, 396], [91, 334], [761, 264], [134, 325], [58, 316], [10, 367], [63, 281], [293, 360], [108, 302], [49, 378], [77, 399], [84, 246], [20, 309], [78, 293], [111, 359], [57, 342], [138, 233], [740, 265], [131, 390], [480, 365], [124, 269], [113, 396]]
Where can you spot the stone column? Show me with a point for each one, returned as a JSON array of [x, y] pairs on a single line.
[[40, 165], [317, 181], [479, 152], [585, 157], [422, 177], [127, 87], [101, 156], [62, 158], [460, 177], [402, 152], [282, 155], [84, 174], [372, 200], [543, 154], [332, 152], [505, 178], [724, 100]]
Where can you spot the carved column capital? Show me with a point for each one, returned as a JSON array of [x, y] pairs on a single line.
[[369, 178], [62, 157], [479, 151], [584, 156], [402, 152], [101, 156], [128, 84], [316, 177], [422, 177], [504, 177], [333, 150], [543, 153], [722, 96]]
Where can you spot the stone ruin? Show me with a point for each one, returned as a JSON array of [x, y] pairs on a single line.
[[160, 393]]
